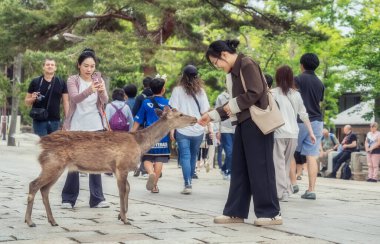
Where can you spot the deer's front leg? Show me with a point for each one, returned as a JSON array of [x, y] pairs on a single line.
[[121, 183]]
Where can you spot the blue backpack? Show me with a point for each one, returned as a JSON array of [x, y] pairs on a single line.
[[118, 120]]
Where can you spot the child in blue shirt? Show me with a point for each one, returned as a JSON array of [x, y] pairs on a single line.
[[146, 116]]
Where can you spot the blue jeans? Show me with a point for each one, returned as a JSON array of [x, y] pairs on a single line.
[[43, 128], [219, 156], [188, 147], [227, 141]]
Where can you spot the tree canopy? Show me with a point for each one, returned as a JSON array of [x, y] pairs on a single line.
[[134, 38]]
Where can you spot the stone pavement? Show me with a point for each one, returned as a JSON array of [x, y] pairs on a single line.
[[344, 212]]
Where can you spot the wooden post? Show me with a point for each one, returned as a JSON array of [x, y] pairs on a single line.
[[17, 67]]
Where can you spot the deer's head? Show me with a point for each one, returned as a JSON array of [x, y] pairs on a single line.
[[175, 118]]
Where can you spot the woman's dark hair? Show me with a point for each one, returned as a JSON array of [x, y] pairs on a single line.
[[190, 80], [217, 47], [284, 79], [87, 53], [130, 90], [156, 85], [118, 95]]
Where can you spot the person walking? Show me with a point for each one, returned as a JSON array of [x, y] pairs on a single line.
[[47, 91], [189, 98], [147, 92], [285, 137], [159, 154], [252, 173], [131, 92], [225, 135], [88, 95], [372, 147], [312, 92]]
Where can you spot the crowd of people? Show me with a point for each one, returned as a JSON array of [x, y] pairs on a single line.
[[262, 167]]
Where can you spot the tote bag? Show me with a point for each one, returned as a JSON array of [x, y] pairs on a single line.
[[269, 119]]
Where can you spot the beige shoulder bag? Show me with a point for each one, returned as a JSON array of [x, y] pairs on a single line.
[[268, 119]]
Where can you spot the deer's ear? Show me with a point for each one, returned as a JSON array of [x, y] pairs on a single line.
[[158, 112]]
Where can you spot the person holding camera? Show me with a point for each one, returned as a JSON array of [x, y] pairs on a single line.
[[88, 96], [45, 94]]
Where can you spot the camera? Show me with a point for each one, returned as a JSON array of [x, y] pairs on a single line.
[[40, 97]]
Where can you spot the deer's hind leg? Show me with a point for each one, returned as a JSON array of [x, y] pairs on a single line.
[[45, 194], [122, 185]]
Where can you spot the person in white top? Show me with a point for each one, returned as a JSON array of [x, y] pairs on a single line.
[[190, 98], [87, 96], [372, 147], [285, 138]]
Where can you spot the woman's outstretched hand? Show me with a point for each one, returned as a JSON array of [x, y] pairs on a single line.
[[204, 120]]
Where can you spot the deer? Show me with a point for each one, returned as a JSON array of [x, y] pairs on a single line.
[[98, 152]]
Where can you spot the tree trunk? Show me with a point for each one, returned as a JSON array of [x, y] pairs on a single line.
[[15, 98]]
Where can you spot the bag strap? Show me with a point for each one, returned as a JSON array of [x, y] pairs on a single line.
[[51, 91], [196, 101], [155, 104], [117, 109]]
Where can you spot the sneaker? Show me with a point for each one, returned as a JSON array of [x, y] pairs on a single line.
[[195, 176], [277, 220], [371, 180], [299, 177], [323, 169], [144, 175], [83, 174], [66, 205], [150, 182], [226, 177], [223, 219], [284, 198], [295, 189], [102, 204], [187, 190], [309, 195], [331, 175], [207, 166], [136, 173]]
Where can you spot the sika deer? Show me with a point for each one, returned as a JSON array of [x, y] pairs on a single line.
[[98, 152]]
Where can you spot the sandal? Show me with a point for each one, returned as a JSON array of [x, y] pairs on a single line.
[[155, 189]]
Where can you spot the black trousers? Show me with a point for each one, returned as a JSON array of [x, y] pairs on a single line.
[[339, 159], [70, 191], [253, 174]]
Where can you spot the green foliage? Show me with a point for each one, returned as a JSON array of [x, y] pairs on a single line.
[[142, 38]]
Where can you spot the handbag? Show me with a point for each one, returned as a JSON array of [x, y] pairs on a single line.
[[41, 114], [269, 119]]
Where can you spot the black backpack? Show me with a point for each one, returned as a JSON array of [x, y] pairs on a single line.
[[346, 172]]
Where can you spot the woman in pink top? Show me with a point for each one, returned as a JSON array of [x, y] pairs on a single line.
[[87, 95], [372, 148]]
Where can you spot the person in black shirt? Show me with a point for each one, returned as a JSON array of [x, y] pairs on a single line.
[[348, 145], [312, 91], [39, 92]]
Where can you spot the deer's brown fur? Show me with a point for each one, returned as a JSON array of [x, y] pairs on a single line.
[[98, 152]]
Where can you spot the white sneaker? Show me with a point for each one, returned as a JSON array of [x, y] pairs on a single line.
[[277, 220], [102, 204], [66, 205], [186, 191]]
